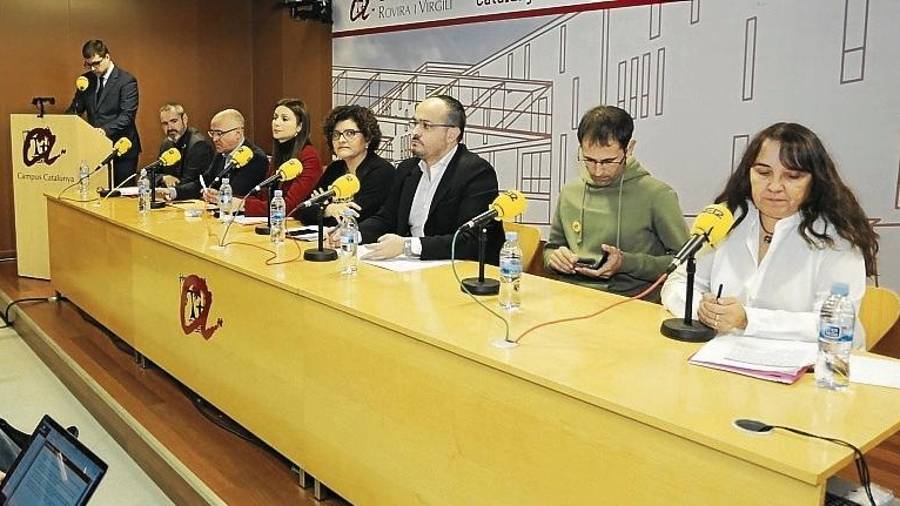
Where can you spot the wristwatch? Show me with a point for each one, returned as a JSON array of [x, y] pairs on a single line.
[[407, 247]]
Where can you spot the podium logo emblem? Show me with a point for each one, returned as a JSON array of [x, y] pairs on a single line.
[[196, 302], [359, 9], [38, 147]]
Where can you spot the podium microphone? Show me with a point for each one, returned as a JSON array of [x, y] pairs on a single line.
[[82, 83], [711, 226], [343, 187], [285, 172], [236, 160], [121, 147], [506, 206]]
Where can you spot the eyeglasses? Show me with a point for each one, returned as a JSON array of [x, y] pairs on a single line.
[[219, 133], [348, 134], [93, 64], [593, 164], [426, 125]]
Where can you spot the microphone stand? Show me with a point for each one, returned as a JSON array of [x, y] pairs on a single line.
[[320, 254], [481, 285], [686, 329], [153, 203], [266, 230], [109, 183]]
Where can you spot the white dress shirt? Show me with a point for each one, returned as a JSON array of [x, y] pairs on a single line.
[[105, 77], [782, 294], [421, 204]]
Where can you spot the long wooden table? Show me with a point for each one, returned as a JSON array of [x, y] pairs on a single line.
[[386, 388]]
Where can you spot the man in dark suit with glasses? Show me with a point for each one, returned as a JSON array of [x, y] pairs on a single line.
[[110, 103]]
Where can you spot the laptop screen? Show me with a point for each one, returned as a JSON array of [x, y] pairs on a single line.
[[55, 470]]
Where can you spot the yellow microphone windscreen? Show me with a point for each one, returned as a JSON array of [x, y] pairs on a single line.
[[242, 156], [170, 157], [345, 186], [290, 169], [714, 221], [82, 83], [122, 146], [509, 204]]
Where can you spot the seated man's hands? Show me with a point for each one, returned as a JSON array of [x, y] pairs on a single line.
[[336, 209], [388, 246], [611, 266], [163, 194], [170, 181], [563, 260], [211, 195]]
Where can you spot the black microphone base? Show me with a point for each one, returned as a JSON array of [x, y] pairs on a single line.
[[157, 205], [320, 255], [105, 193], [478, 287], [262, 230], [696, 332]]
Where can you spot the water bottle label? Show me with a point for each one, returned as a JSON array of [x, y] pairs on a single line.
[[830, 331], [510, 268]]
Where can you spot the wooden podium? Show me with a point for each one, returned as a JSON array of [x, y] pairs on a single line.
[[46, 155]]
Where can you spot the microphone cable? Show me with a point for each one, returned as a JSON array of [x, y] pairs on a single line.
[[595, 313], [465, 289], [274, 254], [862, 468]]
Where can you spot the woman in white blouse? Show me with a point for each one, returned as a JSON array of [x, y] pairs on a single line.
[[798, 229]]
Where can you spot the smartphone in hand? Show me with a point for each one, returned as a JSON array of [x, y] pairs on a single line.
[[590, 263]]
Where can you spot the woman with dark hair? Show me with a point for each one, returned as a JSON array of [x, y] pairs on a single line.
[[353, 134], [290, 133], [798, 229]]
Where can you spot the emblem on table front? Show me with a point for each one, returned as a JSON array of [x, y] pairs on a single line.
[[196, 302], [37, 146]]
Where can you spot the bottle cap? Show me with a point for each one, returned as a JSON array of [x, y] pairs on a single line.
[[277, 193], [347, 212], [839, 288], [512, 236], [224, 180]]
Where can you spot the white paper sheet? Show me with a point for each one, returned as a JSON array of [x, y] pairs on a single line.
[[774, 355], [401, 263], [869, 370]]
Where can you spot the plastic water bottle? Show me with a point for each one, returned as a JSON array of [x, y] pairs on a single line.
[[226, 201], [510, 272], [349, 234], [83, 172], [143, 193], [837, 319], [276, 216]]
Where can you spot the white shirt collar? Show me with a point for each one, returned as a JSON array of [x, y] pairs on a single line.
[[108, 73], [440, 165]]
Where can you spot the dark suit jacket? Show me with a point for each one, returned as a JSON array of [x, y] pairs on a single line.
[[242, 180], [115, 110], [375, 178], [196, 155], [467, 188]]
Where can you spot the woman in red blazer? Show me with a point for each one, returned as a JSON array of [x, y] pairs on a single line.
[[290, 133]]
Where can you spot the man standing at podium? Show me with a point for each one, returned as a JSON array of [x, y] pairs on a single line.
[[111, 103]]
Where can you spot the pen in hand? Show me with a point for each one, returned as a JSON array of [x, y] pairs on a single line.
[[719, 294], [202, 182]]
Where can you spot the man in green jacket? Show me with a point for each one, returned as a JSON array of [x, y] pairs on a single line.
[[617, 209]]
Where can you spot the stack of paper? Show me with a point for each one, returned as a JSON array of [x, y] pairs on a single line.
[[400, 263], [769, 359]]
